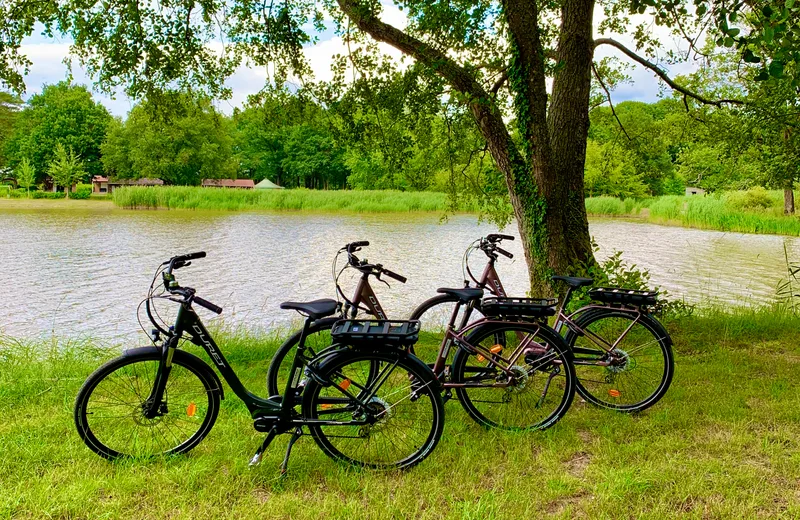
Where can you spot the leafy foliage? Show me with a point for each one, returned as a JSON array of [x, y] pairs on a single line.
[[25, 174], [62, 114], [66, 168], [190, 143]]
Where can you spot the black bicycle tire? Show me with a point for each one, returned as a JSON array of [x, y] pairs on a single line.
[[210, 384], [408, 362], [462, 355], [284, 351], [661, 335]]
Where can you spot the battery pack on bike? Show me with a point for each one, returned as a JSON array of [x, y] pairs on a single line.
[[392, 333]]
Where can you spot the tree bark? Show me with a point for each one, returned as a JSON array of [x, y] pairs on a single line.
[[788, 198]]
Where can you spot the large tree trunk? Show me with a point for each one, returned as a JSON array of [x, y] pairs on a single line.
[[545, 180], [788, 198], [559, 241]]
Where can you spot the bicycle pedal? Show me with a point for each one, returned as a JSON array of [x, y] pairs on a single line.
[[256, 460]]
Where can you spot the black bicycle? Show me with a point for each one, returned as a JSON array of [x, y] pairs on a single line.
[[369, 403], [318, 337]]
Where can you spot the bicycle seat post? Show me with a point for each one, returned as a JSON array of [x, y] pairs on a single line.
[[562, 306]]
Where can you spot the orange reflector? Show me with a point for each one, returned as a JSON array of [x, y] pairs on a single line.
[[494, 350], [326, 406], [345, 384], [614, 393], [191, 409]]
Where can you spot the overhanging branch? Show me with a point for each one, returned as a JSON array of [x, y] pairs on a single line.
[[610, 103], [663, 75]]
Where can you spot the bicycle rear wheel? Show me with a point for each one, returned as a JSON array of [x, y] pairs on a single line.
[[634, 374], [390, 420], [531, 392], [109, 407], [317, 340]]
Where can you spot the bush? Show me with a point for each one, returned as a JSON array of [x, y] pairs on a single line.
[[755, 198], [82, 191], [605, 206], [47, 195]]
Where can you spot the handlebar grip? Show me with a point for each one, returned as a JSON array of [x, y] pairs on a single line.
[[504, 252], [207, 304], [399, 278], [495, 237], [185, 258], [353, 245]]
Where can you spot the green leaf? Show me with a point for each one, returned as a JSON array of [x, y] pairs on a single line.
[[766, 11], [776, 69], [728, 41], [789, 4], [762, 76], [702, 9], [733, 17], [734, 32]]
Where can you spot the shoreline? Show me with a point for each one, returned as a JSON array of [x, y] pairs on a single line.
[[745, 223]]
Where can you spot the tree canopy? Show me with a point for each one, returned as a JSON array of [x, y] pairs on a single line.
[[63, 114]]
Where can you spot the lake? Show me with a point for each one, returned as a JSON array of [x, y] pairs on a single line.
[[82, 273]]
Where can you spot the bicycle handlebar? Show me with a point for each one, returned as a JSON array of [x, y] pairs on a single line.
[[390, 274], [503, 252], [185, 258], [207, 304], [495, 237], [355, 245]]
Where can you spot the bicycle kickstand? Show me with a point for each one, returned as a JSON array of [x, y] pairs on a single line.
[[270, 436], [296, 435]]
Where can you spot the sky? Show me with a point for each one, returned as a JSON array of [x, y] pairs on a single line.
[[47, 56]]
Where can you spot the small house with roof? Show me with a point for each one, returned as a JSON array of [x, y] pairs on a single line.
[[245, 184]]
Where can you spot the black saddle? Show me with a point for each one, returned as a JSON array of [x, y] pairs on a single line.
[[464, 295], [574, 281], [316, 309]]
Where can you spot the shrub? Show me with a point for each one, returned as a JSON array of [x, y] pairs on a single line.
[[47, 195], [754, 198], [82, 191]]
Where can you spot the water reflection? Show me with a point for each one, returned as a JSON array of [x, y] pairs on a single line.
[[83, 273]]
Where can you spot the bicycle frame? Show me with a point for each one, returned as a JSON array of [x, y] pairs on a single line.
[[188, 322], [459, 338], [490, 280], [364, 294]]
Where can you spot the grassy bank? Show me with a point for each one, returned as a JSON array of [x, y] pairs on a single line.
[[188, 197], [722, 444], [755, 211]]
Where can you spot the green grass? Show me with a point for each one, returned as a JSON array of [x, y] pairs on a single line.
[[723, 443], [755, 211], [190, 197]]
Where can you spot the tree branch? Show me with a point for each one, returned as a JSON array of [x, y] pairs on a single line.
[[608, 96], [484, 110], [663, 75], [499, 83]]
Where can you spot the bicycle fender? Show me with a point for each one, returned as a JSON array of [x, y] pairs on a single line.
[[656, 324], [185, 357], [323, 366]]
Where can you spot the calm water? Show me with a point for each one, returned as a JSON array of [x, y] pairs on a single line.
[[79, 274]]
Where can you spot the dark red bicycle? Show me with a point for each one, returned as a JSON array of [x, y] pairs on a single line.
[[622, 354], [318, 336]]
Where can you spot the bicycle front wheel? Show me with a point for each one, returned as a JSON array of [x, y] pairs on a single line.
[[109, 408], [518, 377], [623, 360], [392, 419]]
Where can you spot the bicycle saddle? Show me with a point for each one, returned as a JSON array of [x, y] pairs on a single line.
[[465, 295], [574, 281], [316, 309]]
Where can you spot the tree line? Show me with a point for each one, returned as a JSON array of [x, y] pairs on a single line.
[[374, 138]]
